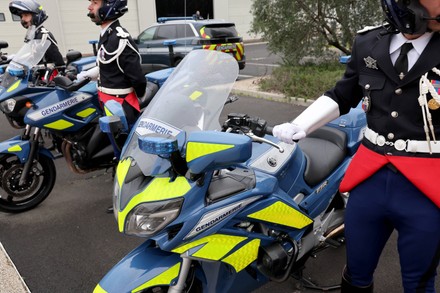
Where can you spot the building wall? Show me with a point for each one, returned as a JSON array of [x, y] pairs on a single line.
[[72, 28]]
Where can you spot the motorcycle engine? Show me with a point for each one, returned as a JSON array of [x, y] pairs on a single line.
[[275, 259]]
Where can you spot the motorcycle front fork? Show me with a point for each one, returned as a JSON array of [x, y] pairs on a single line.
[[33, 141], [181, 282]]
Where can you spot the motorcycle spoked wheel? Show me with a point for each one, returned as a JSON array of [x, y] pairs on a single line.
[[15, 198]]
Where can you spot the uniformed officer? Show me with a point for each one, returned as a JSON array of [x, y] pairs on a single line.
[[393, 178], [32, 17], [119, 70]]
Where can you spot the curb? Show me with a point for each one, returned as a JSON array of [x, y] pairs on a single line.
[[249, 88], [10, 279]]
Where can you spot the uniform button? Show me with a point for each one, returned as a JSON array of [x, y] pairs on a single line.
[[390, 135], [367, 86], [394, 114], [398, 91]]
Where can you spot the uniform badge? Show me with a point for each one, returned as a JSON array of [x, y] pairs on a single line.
[[436, 85], [433, 103], [371, 63], [366, 104]]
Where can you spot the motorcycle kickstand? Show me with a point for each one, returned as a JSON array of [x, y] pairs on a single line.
[[306, 283]]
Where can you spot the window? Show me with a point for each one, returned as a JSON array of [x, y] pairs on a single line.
[[2, 16], [184, 31], [147, 35], [166, 32], [16, 17]]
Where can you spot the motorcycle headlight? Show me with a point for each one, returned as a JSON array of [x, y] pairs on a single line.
[[8, 105], [148, 218]]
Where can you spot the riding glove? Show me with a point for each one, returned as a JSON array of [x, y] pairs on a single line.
[[91, 74], [288, 132]]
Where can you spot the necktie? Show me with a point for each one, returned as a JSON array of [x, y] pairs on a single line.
[[401, 64]]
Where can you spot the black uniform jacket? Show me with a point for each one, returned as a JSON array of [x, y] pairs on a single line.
[[394, 112], [53, 54], [110, 76]]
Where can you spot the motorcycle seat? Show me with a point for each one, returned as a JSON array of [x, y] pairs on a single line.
[[324, 149], [150, 91]]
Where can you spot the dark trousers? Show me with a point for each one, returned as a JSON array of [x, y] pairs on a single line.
[[384, 202]]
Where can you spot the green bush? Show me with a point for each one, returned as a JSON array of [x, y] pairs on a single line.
[[303, 81]]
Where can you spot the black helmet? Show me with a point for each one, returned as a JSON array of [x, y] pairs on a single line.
[[17, 7], [111, 9], [407, 16]]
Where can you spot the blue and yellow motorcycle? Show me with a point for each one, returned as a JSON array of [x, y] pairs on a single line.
[[223, 208], [58, 108]]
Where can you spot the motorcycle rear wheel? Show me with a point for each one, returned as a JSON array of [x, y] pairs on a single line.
[[15, 198]]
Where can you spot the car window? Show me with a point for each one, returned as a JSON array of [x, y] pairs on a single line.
[[147, 35], [184, 31], [221, 31], [166, 32]]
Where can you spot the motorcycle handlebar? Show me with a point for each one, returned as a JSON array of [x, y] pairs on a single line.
[[269, 130]]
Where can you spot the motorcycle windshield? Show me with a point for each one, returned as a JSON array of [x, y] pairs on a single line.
[[27, 57], [190, 100]]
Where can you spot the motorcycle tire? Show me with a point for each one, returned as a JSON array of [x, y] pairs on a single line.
[[15, 198]]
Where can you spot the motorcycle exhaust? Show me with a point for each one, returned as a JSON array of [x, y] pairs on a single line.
[[65, 149]]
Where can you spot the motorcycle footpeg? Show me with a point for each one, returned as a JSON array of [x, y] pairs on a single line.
[[333, 242]]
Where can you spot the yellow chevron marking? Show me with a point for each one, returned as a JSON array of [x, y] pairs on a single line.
[[281, 213], [244, 256], [212, 247]]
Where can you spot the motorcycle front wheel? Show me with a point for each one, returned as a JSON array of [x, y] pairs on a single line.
[[15, 198]]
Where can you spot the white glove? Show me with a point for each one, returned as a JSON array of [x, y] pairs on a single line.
[[288, 132], [91, 74]]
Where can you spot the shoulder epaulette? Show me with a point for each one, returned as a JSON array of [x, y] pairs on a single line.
[[369, 28], [121, 33]]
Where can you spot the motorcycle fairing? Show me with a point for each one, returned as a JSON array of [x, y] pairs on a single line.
[[61, 111], [149, 266], [237, 251], [20, 148], [145, 266]]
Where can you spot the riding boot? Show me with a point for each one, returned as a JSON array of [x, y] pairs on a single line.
[[347, 287]]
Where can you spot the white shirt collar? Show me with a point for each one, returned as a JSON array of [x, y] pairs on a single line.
[[419, 44], [104, 29]]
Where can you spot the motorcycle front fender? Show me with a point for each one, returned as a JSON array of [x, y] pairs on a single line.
[[146, 266], [20, 148]]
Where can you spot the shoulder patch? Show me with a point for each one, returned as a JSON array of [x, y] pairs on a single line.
[[369, 28]]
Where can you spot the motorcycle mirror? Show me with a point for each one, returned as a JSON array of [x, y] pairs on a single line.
[[110, 124], [3, 44], [18, 72]]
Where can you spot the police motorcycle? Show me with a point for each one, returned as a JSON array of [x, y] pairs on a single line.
[[223, 208], [58, 111]]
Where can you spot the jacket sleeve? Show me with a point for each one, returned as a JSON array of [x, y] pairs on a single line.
[[130, 63], [347, 92]]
